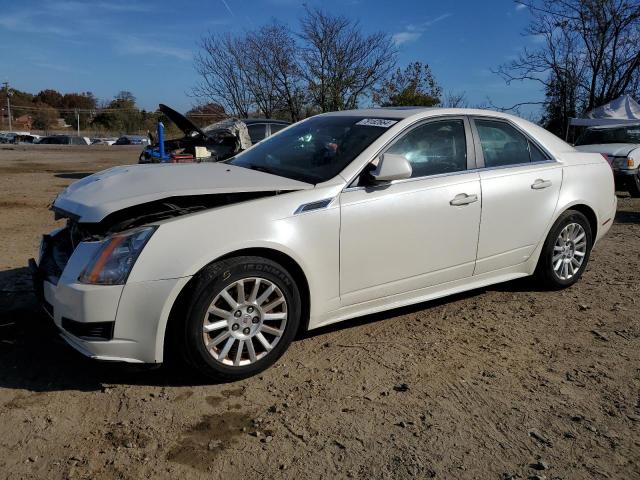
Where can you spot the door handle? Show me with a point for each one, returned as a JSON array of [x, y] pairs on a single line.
[[463, 199], [539, 184]]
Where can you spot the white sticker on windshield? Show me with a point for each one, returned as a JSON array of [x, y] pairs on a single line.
[[377, 122]]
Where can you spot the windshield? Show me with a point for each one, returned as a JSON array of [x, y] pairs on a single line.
[[593, 136], [315, 150]]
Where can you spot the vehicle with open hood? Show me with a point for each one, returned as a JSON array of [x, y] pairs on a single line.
[[213, 143], [340, 215]]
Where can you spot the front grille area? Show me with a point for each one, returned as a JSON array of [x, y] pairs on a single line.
[[56, 251], [89, 331]]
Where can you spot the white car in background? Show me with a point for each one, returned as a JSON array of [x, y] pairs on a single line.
[[337, 216], [621, 145]]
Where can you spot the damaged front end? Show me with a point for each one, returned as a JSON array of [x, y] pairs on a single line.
[[58, 246]]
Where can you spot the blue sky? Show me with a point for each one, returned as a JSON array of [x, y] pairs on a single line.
[[147, 47]]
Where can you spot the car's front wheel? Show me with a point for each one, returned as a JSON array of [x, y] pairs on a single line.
[[244, 313], [566, 250]]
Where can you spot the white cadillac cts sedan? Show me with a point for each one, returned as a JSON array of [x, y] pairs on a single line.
[[340, 215]]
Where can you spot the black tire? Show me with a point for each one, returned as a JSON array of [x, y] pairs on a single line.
[[633, 185], [211, 281], [544, 270]]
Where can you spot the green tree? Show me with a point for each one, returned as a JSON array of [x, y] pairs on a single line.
[[44, 117], [120, 115], [84, 102], [53, 98], [413, 86]]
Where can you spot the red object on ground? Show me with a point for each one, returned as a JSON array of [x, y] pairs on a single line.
[[182, 158]]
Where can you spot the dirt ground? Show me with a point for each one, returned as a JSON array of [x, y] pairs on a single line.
[[506, 382]]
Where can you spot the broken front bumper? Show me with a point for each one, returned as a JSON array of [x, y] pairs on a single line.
[[106, 322]]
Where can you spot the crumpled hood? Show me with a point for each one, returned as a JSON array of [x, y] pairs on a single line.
[[611, 149], [96, 196]]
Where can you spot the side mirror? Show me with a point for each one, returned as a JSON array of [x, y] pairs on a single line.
[[391, 167]]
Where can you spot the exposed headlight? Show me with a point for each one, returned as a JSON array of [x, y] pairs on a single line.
[[113, 261], [620, 162]]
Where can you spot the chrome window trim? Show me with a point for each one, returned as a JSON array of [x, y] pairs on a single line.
[[448, 174], [471, 150], [407, 180]]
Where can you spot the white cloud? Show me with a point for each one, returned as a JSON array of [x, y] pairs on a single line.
[[26, 22], [74, 6], [226, 5], [133, 45], [520, 6], [412, 32], [405, 37]]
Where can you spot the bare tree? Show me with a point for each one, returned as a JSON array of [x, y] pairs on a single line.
[[223, 74], [272, 60], [453, 99], [341, 64], [588, 53]]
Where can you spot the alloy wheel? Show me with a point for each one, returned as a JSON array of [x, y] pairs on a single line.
[[569, 251], [245, 321]]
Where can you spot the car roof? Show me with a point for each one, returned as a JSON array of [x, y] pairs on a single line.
[[408, 114], [411, 111]]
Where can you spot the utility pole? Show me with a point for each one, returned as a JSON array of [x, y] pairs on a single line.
[[78, 120], [6, 88]]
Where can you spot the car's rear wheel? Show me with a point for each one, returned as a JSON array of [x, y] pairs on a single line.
[[566, 251], [244, 313], [634, 185]]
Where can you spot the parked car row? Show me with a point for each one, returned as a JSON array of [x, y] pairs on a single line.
[[62, 139]]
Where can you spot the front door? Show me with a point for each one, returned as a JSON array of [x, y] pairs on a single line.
[[418, 232]]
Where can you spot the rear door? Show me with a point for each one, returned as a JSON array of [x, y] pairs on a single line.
[[520, 187]]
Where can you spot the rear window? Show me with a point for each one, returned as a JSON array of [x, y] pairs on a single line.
[[276, 127], [502, 144], [257, 132]]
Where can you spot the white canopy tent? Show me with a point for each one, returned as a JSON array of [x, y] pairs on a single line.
[[622, 110]]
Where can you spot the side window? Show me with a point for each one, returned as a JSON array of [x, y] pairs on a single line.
[[502, 144], [257, 132], [536, 154], [276, 127], [434, 148]]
